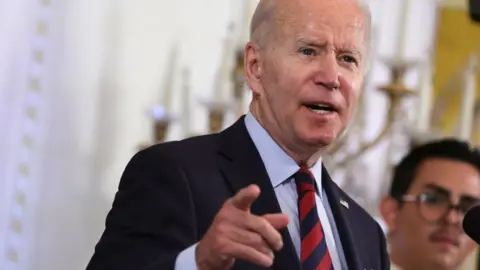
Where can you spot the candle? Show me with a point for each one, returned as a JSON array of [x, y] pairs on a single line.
[[425, 98], [245, 21], [402, 30], [170, 79], [224, 71], [468, 102]]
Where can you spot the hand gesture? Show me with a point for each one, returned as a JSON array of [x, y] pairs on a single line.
[[237, 234]]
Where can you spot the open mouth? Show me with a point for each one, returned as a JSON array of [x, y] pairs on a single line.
[[322, 108]]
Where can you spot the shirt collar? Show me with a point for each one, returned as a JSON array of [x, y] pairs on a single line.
[[279, 165]]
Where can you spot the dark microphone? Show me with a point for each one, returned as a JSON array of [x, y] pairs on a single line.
[[471, 223], [474, 8]]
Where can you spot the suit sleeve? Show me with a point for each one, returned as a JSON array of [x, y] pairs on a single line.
[[152, 219]]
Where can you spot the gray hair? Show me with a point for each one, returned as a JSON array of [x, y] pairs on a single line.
[[263, 18]]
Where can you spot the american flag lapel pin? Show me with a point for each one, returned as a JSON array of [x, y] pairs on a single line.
[[344, 203]]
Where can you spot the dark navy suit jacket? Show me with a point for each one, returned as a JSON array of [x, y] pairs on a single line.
[[170, 193]]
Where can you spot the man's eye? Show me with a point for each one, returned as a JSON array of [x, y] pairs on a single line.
[[349, 59], [307, 51], [433, 199]]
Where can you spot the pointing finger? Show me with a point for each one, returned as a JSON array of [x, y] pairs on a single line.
[[245, 197], [278, 221]]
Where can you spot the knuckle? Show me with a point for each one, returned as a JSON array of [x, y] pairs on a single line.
[[262, 224], [222, 229], [256, 239], [224, 213], [222, 246]]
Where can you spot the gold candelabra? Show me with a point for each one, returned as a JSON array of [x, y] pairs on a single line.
[[396, 91], [161, 114], [239, 81], [216, 114], [159, 134], [160, 130], [161, 123], [218, 108], [215, 120]]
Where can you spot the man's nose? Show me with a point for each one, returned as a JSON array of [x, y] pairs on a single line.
[[454, 216], [328, 72]]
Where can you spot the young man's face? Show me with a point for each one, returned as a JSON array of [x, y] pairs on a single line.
[[429, 234]]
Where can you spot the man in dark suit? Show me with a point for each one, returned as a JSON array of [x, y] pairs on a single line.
[[256, 195]]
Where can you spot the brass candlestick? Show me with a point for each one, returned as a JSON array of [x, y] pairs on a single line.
[[239, 81], [216, 114], [215, 121], [160, 131], [161, 122]]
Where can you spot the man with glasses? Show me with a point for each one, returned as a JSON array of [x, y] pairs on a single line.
[[433, 187]]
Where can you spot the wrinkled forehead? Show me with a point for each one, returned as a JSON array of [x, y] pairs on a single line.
[[344, 18], [328, 9]]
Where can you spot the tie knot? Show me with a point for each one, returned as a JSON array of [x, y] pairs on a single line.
[[304, 180]]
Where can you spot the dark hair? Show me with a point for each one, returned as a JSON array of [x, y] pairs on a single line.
[[449, 148]]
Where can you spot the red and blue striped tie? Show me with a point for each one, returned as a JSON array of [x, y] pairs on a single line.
[[314, 252]]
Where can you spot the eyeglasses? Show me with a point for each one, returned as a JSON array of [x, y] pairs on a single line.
[[433, 207]]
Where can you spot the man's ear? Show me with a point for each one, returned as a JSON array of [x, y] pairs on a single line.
[[253, 67], [389, 208]]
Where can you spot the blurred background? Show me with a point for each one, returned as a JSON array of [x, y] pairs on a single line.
[[86, 84]]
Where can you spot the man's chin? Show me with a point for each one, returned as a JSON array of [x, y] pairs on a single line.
[[320, 141], [445, 261]]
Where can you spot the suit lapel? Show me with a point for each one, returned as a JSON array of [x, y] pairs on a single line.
[[344, 219], [241, 165]]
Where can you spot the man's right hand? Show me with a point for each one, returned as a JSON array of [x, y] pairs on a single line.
[[237, 234]]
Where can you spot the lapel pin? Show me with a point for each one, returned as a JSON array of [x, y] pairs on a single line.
[[344, 203]]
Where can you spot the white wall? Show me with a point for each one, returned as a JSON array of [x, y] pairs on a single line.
[[105, 63]]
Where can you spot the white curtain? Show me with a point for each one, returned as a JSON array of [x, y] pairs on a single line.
[[77, 81], [22, 124]]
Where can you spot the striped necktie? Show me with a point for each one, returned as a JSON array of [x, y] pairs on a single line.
[[314, 252]]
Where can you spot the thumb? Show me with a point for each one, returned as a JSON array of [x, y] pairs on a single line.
[[278, 221], [245, 197]]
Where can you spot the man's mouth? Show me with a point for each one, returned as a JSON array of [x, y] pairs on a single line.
[[444, 239], [321, 108]]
